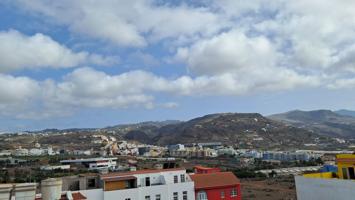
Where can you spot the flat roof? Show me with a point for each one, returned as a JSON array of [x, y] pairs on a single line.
[[87, 160], [146, 171], [205, 168]]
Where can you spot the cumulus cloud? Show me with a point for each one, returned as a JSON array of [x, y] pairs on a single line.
[[229, 47], [17, 93], [131, 23], [19, 51], [89, 88], [237, 64]]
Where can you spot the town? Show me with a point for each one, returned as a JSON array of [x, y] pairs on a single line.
[[177, 100], [106, 167]]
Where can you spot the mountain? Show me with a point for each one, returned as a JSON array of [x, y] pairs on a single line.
[[138, 135], [344, 112], [150, 128], [243, 129], [323, 122], [287, 131]]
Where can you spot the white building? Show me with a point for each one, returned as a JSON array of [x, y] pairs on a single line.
[[166, 184], [94, 163], [55, 167], [35, 152], [5, 153], [20, 152]]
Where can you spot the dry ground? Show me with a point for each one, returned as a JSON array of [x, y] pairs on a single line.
[[281, 188]]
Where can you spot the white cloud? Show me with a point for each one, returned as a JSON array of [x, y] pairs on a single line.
[[229, 52], [229, 47], [238, 64], [170, 105], [16, 93], [19, 51], [131, 23]]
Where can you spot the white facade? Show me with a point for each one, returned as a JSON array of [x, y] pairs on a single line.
[[94, 163], [35, 152], [324, 189], [20, 152], [48, 167], [163, 184]]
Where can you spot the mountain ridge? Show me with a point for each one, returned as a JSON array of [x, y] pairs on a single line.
[[323, 122]]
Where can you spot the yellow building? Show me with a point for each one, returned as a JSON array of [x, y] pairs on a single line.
[[346, 165]]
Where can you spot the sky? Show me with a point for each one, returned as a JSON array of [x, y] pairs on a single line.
[[95, 63]]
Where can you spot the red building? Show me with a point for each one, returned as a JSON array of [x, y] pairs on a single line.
[[205, 170], [216, 186]]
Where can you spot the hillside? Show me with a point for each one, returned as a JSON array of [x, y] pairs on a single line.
[[243, 129], [323, 122], [344, 112], [150, 128]]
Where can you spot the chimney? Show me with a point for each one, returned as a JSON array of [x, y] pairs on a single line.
[[51, 189], [25, 191], [5, 191]]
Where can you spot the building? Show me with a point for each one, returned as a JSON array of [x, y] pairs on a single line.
[[93, 163], [286, 156], [216, 185], [55, 167], [175, 147], [193, 152], [50, 189], [289, 171], [164, 184], [205, 170], [81, 182], [329, 185], [20, 152]]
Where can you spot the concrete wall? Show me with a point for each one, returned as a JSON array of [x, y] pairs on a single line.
[[324, 189]]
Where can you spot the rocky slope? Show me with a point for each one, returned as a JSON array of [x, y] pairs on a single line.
[[242, 129], [323, 122]]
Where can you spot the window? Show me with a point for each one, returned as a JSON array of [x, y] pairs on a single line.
[[184, 195], [157, 197], [233, 192], [147, 198], [222, 195], [176, 179], [147, 181], [175, 196], [182, 178], [202, 195], [91, 183], [126, 183], [351, 173], [345, 173]]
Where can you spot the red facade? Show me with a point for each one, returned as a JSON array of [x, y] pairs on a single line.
[[220, 193], [205, 170]]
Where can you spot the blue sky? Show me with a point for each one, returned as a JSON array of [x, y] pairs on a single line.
[[82, 63]]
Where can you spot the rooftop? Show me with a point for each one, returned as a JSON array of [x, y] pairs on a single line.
[[219, 179], [87, 160], [69, 196], [147, 171]]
